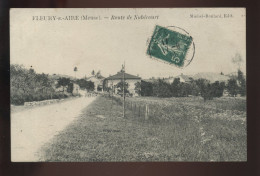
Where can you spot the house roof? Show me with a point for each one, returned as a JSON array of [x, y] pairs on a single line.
[[185, 78], [119, 75], [94, 77]]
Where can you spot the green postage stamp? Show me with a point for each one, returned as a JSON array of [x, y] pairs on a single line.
[[170, 46]]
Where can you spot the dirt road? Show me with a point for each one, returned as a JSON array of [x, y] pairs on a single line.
[[32, 128]]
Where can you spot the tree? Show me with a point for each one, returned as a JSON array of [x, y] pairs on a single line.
[[27, 85], [194, 89], [138, 89], [93, 73], [146, 88], [43, 83], [75, 70], [184, 89], [98, 74], [122, 86], [161, 89], [175, 87], [232, 87], [63, 82], [205, 89], [241, 83], [218, 89], [90, 86], [83, 84], [237, 59]]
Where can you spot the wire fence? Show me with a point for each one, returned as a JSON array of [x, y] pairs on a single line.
[[142, 110]]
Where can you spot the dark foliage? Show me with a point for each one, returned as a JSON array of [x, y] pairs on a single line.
[[122, 86], [26, 86], [144, 88], [232, 87], [70, 88], [63, 82], [241, 83], [218, 89], [161, 89], [83, 84]]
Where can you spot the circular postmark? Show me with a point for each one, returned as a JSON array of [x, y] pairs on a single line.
[[172, 45]]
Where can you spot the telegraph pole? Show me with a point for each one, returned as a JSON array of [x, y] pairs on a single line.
[[124, 90]]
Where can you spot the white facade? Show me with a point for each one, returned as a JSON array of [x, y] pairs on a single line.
[[97, 82], [131, 84]]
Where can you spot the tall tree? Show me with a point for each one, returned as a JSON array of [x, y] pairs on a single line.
[[75, 70], [232, 87], [237, 59], [93, 73], [175, 88], [98, 74], [241, 82], [205, 89], [138, 88]]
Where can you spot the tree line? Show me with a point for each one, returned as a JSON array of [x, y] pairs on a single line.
[[26, 85], [201, 87]]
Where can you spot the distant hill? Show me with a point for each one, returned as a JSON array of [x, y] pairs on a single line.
[[212, 77]]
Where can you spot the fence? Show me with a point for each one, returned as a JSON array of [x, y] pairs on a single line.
[[137, 109], [154, 110]]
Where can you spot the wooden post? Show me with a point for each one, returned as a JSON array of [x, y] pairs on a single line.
[[146, 112], [123, 90], [139, 110]]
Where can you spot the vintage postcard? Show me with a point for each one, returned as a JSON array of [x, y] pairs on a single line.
[[120, 85]]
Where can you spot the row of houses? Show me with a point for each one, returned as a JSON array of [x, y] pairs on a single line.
[[102, 83]]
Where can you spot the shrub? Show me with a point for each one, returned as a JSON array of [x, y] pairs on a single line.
[[27, 86], [161, 89], [232, 87], [144, 88]]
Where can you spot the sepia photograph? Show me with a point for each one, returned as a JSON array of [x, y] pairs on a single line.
[[128, 85]]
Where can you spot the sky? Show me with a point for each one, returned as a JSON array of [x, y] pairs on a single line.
[[53, 46]]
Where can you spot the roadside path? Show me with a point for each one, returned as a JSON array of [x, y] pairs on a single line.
[[32, 128]]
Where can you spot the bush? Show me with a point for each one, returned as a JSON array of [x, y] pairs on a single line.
[[27, 86], [144, 88], [161, 89], [232, 87]]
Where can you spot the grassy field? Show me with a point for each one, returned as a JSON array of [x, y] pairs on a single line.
[[178, 129]]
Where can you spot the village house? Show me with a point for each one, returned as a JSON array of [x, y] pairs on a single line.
[[113, 80], [98, 82], [183, 78]]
